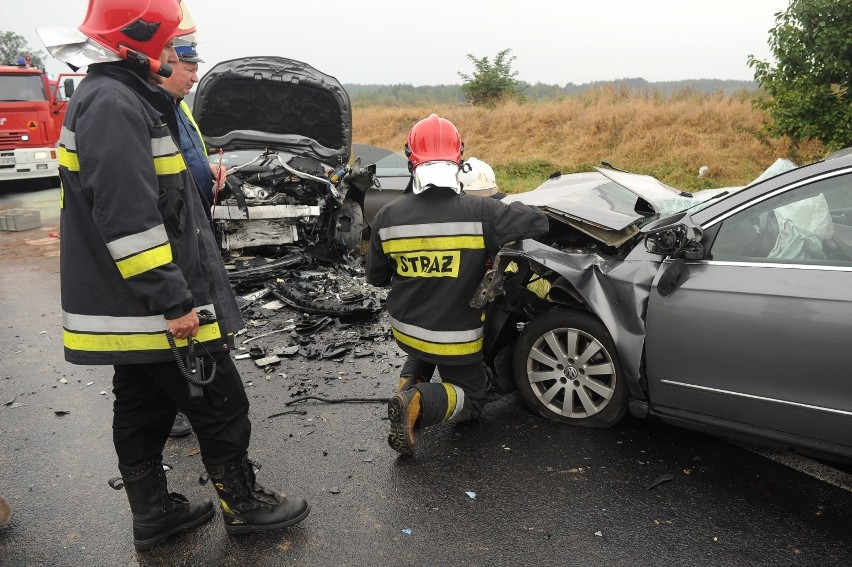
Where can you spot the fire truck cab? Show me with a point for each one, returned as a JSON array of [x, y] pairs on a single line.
[[32, 108]]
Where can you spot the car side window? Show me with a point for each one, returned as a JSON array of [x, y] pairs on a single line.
[[810, 224]]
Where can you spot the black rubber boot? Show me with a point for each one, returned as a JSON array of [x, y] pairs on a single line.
[[157, 513], [181, 426], [247, 506]]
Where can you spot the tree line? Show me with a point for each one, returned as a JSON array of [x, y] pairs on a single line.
[[407, 94]]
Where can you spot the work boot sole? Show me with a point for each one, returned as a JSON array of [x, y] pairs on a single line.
[[398, 438], [249, 528], [149, 543]]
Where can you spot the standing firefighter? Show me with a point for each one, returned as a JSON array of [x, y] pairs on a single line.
[[431, 244], [139, 264]]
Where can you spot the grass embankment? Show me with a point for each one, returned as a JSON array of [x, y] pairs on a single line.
[[669, 137]]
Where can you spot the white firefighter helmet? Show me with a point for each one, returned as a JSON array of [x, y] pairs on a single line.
[[477, 177]]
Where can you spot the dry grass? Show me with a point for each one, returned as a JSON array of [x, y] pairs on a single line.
[[668, 137]]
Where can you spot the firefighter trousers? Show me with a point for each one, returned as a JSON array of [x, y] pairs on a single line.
[[460, 396], [147, 397]]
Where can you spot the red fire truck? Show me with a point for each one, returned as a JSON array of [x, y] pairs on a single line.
[[32, 107]]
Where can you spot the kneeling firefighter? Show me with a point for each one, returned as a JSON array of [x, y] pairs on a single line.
[[140, 264], [431, 245]]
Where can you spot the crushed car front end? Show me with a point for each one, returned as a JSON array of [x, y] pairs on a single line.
[[284, 130]]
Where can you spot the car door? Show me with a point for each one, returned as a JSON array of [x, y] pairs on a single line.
[[758, 337]]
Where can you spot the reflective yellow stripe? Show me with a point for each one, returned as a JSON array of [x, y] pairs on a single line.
[[430, 230], [137, 243], [440, 349], [435, 243], [148, 260], [68, 139], [61, 195], [451, 400], [68, 159], [169, 165], [132, 342], [121, 324]]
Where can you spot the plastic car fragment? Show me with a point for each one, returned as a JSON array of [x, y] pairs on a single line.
[[302, 300], [261, 269]]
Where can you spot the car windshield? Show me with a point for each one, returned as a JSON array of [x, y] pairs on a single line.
[[394, 164], [21, 87]]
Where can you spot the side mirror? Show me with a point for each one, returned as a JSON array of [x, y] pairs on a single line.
[[675, 236], [69, 87]]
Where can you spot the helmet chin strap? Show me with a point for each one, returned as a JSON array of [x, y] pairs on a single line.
[[155, 65]]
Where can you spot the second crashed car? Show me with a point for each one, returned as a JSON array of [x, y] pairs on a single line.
[[730, 316], [285, 133]]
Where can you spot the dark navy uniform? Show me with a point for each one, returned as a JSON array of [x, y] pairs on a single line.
[[138, 249], [432, 249]]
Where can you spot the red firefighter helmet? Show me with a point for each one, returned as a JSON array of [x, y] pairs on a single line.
[[434, 151], [433, 139], [144, 26]]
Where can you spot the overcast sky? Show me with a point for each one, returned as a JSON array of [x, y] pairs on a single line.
[[425, 43]]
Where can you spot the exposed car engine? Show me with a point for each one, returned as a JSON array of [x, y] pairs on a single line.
[[277, 199]]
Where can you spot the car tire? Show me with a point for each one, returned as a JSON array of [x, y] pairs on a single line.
[[558, 385]]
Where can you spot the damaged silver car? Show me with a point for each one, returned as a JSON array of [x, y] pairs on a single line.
[[284, 131], [725, 311]]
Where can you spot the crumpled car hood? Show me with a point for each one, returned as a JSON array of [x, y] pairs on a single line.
[[607, 204], [278, 104]]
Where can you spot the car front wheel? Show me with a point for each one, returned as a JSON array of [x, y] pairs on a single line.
[[567, 369]]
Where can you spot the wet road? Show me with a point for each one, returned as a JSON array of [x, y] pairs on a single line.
[[509, 490]]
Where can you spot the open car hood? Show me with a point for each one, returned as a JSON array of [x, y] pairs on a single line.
[[275, 103]]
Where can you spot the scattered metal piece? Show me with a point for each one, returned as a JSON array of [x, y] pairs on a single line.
[[309, 353], [310, 325], [261, 362], [11, 401], [337, 400], [660, 480], [332, 351], [286, 351], [283, 330], [295, 412], [273, 305], [61, 412]]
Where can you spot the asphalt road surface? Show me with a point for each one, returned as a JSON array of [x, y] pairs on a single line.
[[510, 490]]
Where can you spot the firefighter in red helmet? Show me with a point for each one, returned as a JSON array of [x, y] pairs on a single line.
[[143, 285], [431, 245]]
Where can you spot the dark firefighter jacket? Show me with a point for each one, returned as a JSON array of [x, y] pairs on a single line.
[[137, 246], [432, 248]]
